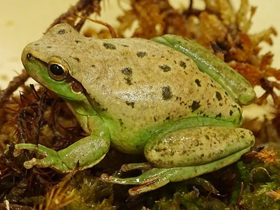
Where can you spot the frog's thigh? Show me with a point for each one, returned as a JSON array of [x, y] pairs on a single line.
[[197, 146]]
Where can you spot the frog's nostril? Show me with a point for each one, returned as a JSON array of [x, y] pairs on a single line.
[[29, 56]]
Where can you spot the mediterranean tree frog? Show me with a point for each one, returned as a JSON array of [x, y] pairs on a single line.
[[141, 96]]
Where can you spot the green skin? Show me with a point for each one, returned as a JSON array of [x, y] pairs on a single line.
[[141, 96]]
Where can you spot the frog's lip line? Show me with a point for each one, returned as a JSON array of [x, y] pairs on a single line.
[[29, 60]]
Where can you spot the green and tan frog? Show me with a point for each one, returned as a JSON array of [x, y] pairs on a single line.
[[141, 96]]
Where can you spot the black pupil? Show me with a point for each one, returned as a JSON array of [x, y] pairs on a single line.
[[56, 69]]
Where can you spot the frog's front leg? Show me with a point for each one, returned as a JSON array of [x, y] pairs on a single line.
[[187, 153], [82, 154]]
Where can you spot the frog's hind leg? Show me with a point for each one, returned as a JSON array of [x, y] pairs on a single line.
[[186, 153], [158, 177], [196, 145]]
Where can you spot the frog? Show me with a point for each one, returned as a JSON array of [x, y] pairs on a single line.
[[168, 99]]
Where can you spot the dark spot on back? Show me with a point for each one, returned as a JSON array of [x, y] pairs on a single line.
[[127, 71], [218, 115], [62, 31], [230, 112], [109, 46], [195, 105], [37, 44], [218, 96], [166, 93], [197, 81], [130, 103], [49, 47], [141, 54], [124, 45], [183, 64], [121, 122], [94, 102], [77, 41], [128, 80], [165, 68]]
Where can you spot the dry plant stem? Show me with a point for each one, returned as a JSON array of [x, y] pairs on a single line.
[[40, 113], [22, 136], [269, 86], [85, 7], [37, 123], [240, 193], [109, 27], [13, 86], [3, 206]]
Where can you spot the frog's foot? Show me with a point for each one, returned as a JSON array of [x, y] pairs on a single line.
[[150, 180], [51, 158], [158, 177]]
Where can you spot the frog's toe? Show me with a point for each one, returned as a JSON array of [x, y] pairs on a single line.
[[38, 149], [155, 184], [36, 162], [50, 161], [127, 181], [19, 147], [145, 183]]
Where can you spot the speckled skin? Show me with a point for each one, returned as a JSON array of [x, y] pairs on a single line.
[[138, 87]]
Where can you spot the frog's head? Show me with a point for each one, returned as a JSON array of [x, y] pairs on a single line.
[[45, 61]]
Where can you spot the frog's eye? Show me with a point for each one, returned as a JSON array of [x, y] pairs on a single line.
[[57, 71]]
